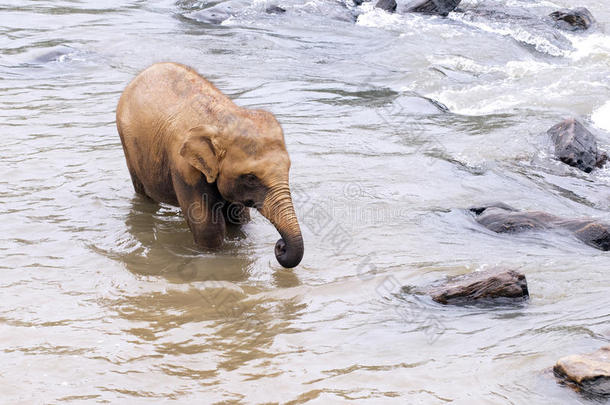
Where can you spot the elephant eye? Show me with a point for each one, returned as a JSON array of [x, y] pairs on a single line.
[[249, 179]]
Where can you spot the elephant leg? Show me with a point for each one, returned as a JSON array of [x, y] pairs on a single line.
[[202, 207], [236, 214], [137, 184]]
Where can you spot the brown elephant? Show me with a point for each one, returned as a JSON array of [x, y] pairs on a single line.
[[189, 145]]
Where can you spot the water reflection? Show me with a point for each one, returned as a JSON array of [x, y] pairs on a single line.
[[208, 311], [164, 247], [214, 322]]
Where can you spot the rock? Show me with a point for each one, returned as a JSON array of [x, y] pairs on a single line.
[[387, 5], [436, 7], [501, 218], [576, 19], [275, 10], [587, 373], [576, 146], [481, 285], [594, 234]]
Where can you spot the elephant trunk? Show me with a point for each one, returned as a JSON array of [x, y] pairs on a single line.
[[279, 210]]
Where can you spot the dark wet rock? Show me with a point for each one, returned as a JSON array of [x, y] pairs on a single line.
[[387, 5], [594, 234], [435, 7], [275, 10], [576, 146], [587, 373], [482, 286], [504, 219], [500, 220], [576, 19]]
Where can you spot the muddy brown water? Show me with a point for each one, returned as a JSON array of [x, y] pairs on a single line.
[[105, 299]]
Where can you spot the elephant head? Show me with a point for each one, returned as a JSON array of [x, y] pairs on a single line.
[[247, 159]]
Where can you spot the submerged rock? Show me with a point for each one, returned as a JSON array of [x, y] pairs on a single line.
[[576, 146], [436, 7], [521, 24], [275, 10], [214, 15], [243, 11], [501, 205], [387, 5], [576, 19], [482, 285], [57, 54], [501, 218], [587, 373]]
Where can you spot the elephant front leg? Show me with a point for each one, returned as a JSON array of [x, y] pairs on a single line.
[[202, 207]]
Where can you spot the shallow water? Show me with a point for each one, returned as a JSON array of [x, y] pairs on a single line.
[[105, 297]]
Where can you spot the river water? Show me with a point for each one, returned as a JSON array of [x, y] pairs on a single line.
[[395, 125]]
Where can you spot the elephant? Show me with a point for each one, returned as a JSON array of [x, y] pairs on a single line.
[[187, 144]]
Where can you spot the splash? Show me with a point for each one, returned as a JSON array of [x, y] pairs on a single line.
[[601, 117]]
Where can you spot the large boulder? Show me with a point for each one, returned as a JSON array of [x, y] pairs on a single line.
[[435, 7], [576, 146], [588, 373], [480, 286], [501, 218], [576, 19], [387, 5]]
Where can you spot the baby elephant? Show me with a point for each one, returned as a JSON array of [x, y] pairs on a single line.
[[189, 145]]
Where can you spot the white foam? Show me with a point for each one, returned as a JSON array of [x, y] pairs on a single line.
[[372, 16], [515, 69], [516, 32], [536, 4], [479, 105], [589, 45], [601, 117]]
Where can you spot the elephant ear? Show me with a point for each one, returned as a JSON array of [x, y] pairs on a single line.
[[199, 151]]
